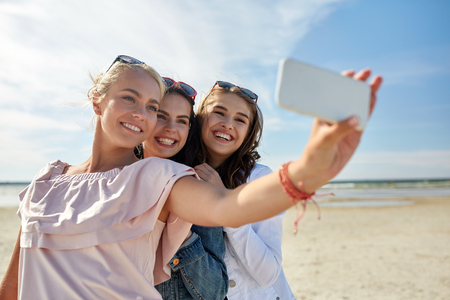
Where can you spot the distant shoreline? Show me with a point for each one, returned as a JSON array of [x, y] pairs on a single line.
[[333, 181], [390, 180]]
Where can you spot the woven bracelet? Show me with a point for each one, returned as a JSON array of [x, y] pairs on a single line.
[[296, 195]]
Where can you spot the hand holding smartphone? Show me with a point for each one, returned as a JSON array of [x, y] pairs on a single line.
[[321, 93]]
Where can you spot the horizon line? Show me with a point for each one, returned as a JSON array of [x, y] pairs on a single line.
[[331, 181]]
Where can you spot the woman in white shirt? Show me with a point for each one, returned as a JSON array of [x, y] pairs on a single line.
[[231, 127]]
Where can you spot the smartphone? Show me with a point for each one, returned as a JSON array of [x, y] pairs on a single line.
[[317, 92]]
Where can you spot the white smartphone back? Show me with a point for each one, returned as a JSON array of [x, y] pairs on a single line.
[[320, 93]]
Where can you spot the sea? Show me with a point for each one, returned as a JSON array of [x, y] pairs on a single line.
[[368, 193]]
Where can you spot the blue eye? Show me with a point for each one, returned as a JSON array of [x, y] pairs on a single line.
[[131, 99], [152, 108]]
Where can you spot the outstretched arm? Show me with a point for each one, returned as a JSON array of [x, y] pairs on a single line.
[[329, 148], [10, 281]]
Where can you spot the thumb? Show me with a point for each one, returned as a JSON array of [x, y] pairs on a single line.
[[341, 129]]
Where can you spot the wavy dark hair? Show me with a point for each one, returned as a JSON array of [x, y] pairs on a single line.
[[188, 154], [237, 168]]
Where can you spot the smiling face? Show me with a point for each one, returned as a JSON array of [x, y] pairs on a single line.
[[172, 127], [127, 113], [225, 126]]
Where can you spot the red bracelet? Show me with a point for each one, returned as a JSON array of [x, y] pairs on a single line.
[[296, 195]]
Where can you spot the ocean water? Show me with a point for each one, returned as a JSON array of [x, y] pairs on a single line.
[[9, 193], [361, 193], [378, 193]]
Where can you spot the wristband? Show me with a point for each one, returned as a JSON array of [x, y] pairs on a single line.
[[296, 195]]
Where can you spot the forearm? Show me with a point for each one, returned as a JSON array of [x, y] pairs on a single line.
[[10, 282], [208, 205]]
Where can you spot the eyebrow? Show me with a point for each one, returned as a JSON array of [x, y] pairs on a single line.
[[167, 114], [239, 113], [139, 95]]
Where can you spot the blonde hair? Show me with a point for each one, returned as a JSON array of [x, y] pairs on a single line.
[[103, 82]]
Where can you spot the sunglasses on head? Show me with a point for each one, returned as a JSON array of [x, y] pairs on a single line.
[[124, 59], [186, 88], [227, 85], [127, 60]]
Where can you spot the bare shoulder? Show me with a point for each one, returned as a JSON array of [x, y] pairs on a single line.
[[73, 170]]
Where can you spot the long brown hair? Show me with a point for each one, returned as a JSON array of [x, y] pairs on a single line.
[[237, 168]]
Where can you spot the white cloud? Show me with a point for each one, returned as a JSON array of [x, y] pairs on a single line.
[[48, 46], [52, 44], [276, 124], [197, 41], [14, 120]]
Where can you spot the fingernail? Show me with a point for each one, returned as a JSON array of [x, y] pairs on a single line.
[[353, 121]]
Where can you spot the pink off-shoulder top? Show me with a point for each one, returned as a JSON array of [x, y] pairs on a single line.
[[97, 235]]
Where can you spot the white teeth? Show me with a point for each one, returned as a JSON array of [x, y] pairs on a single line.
[[134, 128], [223, 136], [165, 141]]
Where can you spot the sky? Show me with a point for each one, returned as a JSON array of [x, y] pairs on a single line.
[[49, 47]]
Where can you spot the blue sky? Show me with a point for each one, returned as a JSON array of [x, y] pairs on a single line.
[[48, 47]]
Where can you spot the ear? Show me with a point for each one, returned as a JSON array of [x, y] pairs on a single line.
[[96, 108], [96, 104]]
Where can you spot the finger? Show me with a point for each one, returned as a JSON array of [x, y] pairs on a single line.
[[201, 175], [341, 129], [348, 73], [317, 125], [363, 75], [201, 166], [374, 85], [208, 167]]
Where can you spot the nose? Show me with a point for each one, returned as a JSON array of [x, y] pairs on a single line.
[[227, 124], [139, 113], [170, 126]]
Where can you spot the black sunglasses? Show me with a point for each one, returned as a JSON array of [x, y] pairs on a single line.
[[125, 59], [227, 85], [186, 88]]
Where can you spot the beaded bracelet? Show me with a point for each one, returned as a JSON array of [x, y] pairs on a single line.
[[296, 195]]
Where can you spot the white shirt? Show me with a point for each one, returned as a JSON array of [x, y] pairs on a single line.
[[253, 257]]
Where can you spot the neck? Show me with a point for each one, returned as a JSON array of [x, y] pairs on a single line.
[[216, 162], [106, 156]]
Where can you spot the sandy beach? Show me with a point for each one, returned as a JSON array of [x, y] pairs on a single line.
[[397, 252]]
